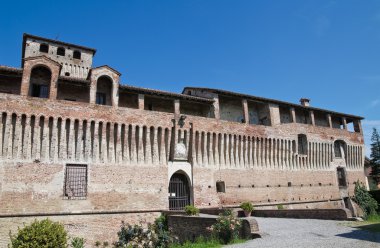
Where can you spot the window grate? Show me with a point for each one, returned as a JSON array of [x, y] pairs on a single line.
[[75, 182]]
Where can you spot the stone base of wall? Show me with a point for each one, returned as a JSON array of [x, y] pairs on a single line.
[[324, 214], [95, 227]]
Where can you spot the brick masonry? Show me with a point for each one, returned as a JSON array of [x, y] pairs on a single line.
[[130, 150]]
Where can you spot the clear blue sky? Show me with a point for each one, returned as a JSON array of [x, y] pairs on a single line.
[[328, 51]]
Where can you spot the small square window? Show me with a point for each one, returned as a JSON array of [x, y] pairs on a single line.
[[75, 182], [44, 48], [220, 187]]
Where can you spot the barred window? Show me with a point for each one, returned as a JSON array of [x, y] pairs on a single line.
[[75, 182]]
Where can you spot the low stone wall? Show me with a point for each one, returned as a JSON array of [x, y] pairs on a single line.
[[191, 227], [324, 214]]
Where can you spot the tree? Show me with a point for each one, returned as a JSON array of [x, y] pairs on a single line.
[[375, 155]]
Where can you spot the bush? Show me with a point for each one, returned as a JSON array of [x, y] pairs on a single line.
[[247, 206], [77, 242], [156, 235], [365, 200], [191, 210], [280, 207], [161, 229], [42, 234], [226, 228]]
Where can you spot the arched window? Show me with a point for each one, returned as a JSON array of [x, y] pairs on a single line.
[[302, 144], [40, 82], [76, 54], [61, 51], [339, 148], [44, 48], [104, 91]]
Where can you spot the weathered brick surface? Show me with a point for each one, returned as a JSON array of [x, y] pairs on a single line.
[[129, 147]]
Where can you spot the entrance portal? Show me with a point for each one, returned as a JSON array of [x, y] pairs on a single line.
[[179, 192]]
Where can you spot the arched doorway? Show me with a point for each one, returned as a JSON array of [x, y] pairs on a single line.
[[179, 192], [39, 85], [104, 91]]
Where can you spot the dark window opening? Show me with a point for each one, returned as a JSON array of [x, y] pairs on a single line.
[[101, 98], [61, 51], [289, 184], [39, 83], [75, 182], [339, 146], [341, 177], [41, 91], [67, 73], [104, 91], [285, 115], [76, 55], [44, 48], [302, 116], [302, 144]]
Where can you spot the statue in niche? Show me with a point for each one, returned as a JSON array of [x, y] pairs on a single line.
[[180, 151]]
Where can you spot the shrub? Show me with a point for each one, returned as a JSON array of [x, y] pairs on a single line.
[[191, 210], [365, 200], [77, 242], [226, 228], [280, 207], [161, 229], [42, 234], [155, 235], [247, 206], [131, 236]]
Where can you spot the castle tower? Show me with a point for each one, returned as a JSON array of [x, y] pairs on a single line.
[[76, 61]]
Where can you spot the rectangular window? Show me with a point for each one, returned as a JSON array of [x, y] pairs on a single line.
[[302, 144], [337, 149], [75, 182], [220, 187], [39, 90], [341, 177], [100, 98]]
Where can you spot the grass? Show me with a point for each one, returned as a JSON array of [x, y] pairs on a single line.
[[204, 243], [199, 243], [371, 224]]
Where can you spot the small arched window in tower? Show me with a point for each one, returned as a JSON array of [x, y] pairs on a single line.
[[61, 51], [302, 144], [44, 48], [77, 54]]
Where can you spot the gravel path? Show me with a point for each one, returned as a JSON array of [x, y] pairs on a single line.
[[294, 233]]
